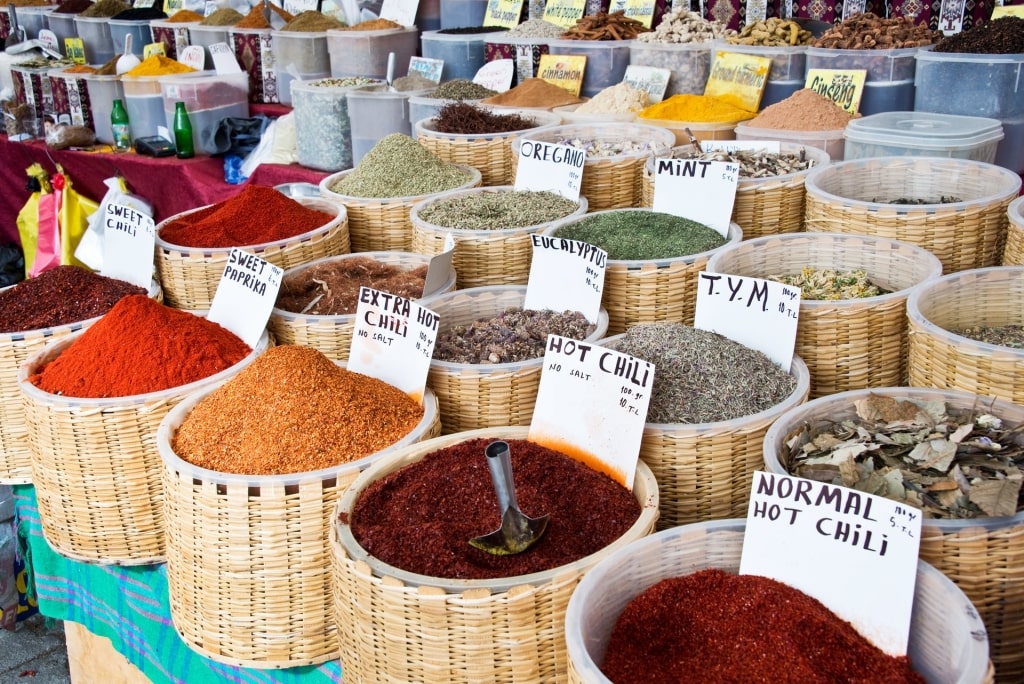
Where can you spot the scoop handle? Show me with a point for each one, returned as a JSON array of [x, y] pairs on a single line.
[[499, 461]]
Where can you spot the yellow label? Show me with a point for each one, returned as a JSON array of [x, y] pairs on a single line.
[[153, 49], [503, 13], [738, 79], [74, 48], [641, 10], [843, 86], [564, 13], [1008, 11], [564, 71]]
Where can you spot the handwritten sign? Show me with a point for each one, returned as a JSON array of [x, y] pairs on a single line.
[[496, 75], [224, 60], [702, 191], [855, 552], [74, 48], [193, 56], [738, 78], [393, 340], [564, 71], [843, 86], [592, 405], [400, 11], [128, 240], [759, 314], [503, 13], [564, 13], [566, 275], [766, 146], [547, 166], [652, 79], [49, 39], [427, 67], [245, 295], [641, 10]]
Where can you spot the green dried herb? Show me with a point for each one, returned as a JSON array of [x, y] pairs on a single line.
[[830, 284], [398, 166], [500, 210], [1004, 335], [640, 235]]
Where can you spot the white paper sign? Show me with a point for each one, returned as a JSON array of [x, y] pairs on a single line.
[[224, 60], [702, 191], [49, 39], [496, 75], [759, 314], [393, 340], [400, 11], [439, 270], [855, 552], [129, 237], [193, 56], [766, 146], [652, 79], [592, 405], [566, 275], [547, 166], [245, 295], [427, 67]]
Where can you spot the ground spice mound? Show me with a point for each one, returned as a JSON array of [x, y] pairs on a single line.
[[225, 16], [105, 8], [713, 627], [60, 296], [334, 285], [804, 110], [293, 410], [447, 498], [312, 21], [398, 166], [533, 92]]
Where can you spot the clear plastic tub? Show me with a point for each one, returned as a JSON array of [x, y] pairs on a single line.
[[144, 103], [103, 90], [63, 26], [95, 35], [205, 36], [298, 56], [31, 19], [138, 29], [463, 53], [462, 13], [606, 61], [689, 64], [896, 64], [323, 129], [1010, 153], [208, 99], [365, 53], [832, 141], [173, 34], [970, 84], [375, 112], [70, 93], [923, 134]]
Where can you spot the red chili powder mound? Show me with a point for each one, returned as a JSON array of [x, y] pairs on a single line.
[[713, 627], [140, 346], [255, 216], [420, 518]]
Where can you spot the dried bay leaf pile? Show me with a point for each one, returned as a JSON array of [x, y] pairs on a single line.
[[949, 462]]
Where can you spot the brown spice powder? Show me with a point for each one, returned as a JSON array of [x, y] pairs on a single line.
[[533, 92], [804, 110]]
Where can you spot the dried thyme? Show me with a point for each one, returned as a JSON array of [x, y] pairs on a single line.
[[1011, 336], [460, 89], [398, 166], [514, 335], [640, 235], [500, 210], [704, 377], [951, 463], [830, 284]]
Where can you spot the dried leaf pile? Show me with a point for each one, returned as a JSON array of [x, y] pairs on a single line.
[[951, 463], [829, 284]]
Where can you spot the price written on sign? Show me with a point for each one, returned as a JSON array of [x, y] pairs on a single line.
[[393, 340], [702, 191], [245, 295], [566, 275], [503, 13], [759, 314], [547, 166], [825, 540], [592, 405], [128, 240]]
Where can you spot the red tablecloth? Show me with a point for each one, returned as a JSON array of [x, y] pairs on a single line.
[[170, 184]]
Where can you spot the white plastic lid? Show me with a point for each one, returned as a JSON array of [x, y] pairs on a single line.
[[924, 130]]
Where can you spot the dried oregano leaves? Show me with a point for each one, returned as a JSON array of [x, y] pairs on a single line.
[[949, 462]]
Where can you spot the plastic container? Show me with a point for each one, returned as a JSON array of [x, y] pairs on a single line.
[[70, 94], [138, 29], [832, 141], [208, 99], [365, 53], [298, 56], [524, 51], [375, 112], [95, 35], [144, 102], [702, 130], [30, 18], [63, 26], [947, 638], [173, 34], [923, 134], [786, 74], [889, 84], [571, 116], [323, 129], [463, 53], [205, 36], [689, 64], [970, 84], [462, 13], [1010, 153], [422, 108], [103, 90], [606, 61], [428, 15]]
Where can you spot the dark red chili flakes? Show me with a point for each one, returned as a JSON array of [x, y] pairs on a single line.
[[421, 517]]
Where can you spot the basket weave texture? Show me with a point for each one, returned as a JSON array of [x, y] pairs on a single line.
[[855, 197], [482, 257], [382, 224], [940, 358], [850, 343], [190, 276], [248, 567], [401, 627], [983, 556], [1013, 253], [96, 468]]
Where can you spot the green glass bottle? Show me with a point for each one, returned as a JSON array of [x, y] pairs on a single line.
[[183, 132], [120, 132]]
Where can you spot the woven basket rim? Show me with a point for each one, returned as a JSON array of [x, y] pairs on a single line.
[[177, 415], [658, 137], [1015, 212], [922, 254], [543, 118], [327, 193], [818, 155], [319, 203], [414, 213], [343, 531], [776, 435]]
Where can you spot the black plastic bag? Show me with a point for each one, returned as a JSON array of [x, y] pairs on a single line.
[[12, 265], [239, 136]]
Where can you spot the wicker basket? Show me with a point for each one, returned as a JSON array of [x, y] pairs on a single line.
[[382, 224], [332, 335], [1013, 253], [248, 569], [652, 290], [15, 349], [190, 276], [983, 556], [398, 627], [480, 395], [96, 468], [850, 343], [764, 206], [947, 639], [491, 153], [940, 358], [482, 257], [608, 182], [853, 197]]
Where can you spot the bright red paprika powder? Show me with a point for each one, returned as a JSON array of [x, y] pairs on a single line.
[[255, 216], [137, 347]]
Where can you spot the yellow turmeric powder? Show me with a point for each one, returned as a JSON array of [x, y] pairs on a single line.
[[687, 107], [158, 65]]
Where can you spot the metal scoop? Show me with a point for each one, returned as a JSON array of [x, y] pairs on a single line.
[[17, 34], [517, 532]]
